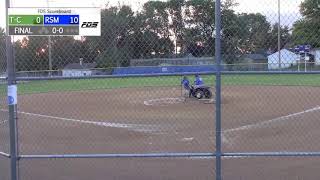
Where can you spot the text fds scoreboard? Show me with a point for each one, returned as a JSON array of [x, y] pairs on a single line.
[[54, 21]]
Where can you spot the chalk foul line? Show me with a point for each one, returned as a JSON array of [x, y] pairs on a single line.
[[135, 127], [154, 129], [157, 128], [279, 119], [229, 141]]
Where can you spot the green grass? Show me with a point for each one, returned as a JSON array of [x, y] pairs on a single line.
[[111, 83], [272, 80]]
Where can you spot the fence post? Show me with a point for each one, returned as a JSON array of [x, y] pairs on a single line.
[[279, 35], [11, 100], [218, 87]]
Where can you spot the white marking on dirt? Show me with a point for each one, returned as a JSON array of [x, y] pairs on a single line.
[[187, 139], [152, 128], [279, 119], [229, 141], [224, 139], [135, 127], [163, 101]]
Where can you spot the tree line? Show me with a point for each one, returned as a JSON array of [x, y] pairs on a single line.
[[174, 28]]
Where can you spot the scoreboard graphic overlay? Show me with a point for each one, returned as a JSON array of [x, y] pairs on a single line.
[[54, 21]]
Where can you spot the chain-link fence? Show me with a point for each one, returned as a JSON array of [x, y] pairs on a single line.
[[127, 104]]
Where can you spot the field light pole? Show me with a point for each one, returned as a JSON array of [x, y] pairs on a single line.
[[11, 105]]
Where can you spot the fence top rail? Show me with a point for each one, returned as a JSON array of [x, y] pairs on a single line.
[[173, 155], [272, 154], [146, 155]]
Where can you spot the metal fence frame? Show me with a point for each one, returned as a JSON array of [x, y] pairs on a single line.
[[218, 154]]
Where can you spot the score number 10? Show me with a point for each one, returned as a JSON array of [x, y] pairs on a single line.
[[74, 20]]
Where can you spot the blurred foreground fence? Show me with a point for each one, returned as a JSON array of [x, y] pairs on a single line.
[[112, 107]]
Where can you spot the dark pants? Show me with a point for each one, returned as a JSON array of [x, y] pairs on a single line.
[[191, 91]]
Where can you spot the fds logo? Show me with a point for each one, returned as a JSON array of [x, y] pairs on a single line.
[[89, 24]]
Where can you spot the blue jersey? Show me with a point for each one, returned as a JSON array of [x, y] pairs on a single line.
[[198, 81], [185, 83]]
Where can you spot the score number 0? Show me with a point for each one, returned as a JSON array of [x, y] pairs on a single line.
[[56, 30], [73, 20]]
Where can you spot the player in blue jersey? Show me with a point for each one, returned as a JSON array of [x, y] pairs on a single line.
[[186, 85], [198, 90], [185, 82], [198, 81]]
